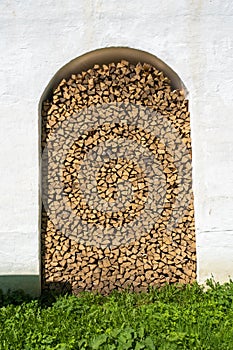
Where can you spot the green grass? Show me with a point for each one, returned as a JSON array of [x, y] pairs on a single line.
[[173, 317]]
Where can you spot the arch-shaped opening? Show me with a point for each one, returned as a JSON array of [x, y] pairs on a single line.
[[106, 56], [116, 174]]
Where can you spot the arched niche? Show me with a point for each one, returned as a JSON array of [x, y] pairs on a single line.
[[167, 255]]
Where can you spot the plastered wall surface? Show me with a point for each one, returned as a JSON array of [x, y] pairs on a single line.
[[194, 37]]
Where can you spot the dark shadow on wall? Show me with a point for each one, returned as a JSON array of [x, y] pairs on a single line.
[[15, 296], [30, 284]]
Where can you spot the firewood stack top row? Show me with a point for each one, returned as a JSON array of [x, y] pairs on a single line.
[[116, 180]]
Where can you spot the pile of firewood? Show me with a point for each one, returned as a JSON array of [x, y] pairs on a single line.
[[117, 197]]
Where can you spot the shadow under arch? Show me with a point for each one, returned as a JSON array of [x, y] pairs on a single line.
[[85, 62]]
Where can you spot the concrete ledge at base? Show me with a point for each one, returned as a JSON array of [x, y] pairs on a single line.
[[30, 284]]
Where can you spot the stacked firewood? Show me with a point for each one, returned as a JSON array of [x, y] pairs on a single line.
[[143, 214]]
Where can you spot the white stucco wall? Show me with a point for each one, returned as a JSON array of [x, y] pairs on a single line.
[[194, 37]]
